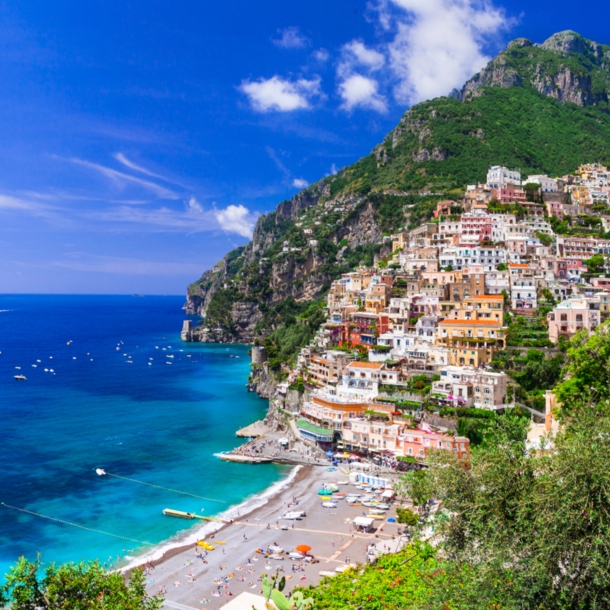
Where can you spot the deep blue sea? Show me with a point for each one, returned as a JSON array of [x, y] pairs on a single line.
[[109, 408]]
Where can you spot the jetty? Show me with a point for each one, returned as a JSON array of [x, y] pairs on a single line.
[[245, 459], [170, 512], [255, 430]]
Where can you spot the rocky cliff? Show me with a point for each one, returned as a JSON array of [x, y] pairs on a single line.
[[566, 67]]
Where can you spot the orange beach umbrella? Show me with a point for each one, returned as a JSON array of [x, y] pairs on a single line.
[[303, 548]]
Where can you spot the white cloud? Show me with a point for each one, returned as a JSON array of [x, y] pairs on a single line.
[[359, 91], [121, 179], [356, 53], [121, 158], [333, 169], [282, 95], [438, 44], [300, 183], [236, 219], [356, 89], [321, 55], [290, 38]]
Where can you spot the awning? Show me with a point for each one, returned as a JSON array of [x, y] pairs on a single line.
[[364, 521]]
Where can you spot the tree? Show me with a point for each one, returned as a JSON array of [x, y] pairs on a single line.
[[587, 370], [502, 267], [82, 586], [527, 531], [406, 516], [596, 263]]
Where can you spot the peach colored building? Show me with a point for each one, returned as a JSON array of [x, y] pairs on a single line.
[[572, 316], [418, 443]]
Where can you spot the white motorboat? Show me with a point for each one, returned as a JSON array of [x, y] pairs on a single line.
[[20, 377]]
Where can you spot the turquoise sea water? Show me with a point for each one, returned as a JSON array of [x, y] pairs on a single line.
[[160, 423]]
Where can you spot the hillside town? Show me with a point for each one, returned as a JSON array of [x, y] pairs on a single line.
[[517, 262]]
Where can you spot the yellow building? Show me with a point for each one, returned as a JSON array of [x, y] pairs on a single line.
[[483, 307], [471, 342]]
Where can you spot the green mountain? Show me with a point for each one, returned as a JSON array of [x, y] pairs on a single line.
[[541, 108]]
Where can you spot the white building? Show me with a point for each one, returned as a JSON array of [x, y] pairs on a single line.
[[548, 185], [464, 257], [499, 176], [469, 387]]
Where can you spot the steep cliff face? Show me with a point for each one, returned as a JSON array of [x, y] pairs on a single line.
[[566, 67], [284, 262]]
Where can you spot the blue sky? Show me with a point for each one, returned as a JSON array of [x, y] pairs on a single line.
[[140, 140]]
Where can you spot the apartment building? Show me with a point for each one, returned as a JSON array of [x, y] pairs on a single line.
[[572, 316], [471, 342], [498, 176], [470, 387]]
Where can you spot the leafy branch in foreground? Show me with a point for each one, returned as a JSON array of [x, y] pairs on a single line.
[[82, 586]]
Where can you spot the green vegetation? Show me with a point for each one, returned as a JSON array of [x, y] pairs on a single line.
[[587, 371], [483, 427], [83, 586], [395, 582], [596, 264], [528, 332], [292, 332]]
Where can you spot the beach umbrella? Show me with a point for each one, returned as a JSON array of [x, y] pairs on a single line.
[[303, 548]]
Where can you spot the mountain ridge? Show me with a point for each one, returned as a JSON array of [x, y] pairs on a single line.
[[522, 110]]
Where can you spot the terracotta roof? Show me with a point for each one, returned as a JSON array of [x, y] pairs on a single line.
[[517, 265], [470, 323], [365, 365], [493, 297]]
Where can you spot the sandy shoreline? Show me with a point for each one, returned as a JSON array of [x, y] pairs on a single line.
[[187, 538], [327, 531]]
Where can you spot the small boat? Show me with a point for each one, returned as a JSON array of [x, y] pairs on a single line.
[[36, 360], [18, 367], [376, 511], [329, 504], [35, 366], [325, 498], [383, 506], [339, 496], [51, 371], [168, 363], [150, 364], [20, 377]]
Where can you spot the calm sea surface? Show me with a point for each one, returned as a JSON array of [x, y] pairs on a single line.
[[108, 408]]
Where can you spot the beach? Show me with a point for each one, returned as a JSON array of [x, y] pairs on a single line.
[[192, 579]]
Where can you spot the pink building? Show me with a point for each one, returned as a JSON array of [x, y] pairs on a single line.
[[418, 443], [572, 316], [509, 193], [475, 228]]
